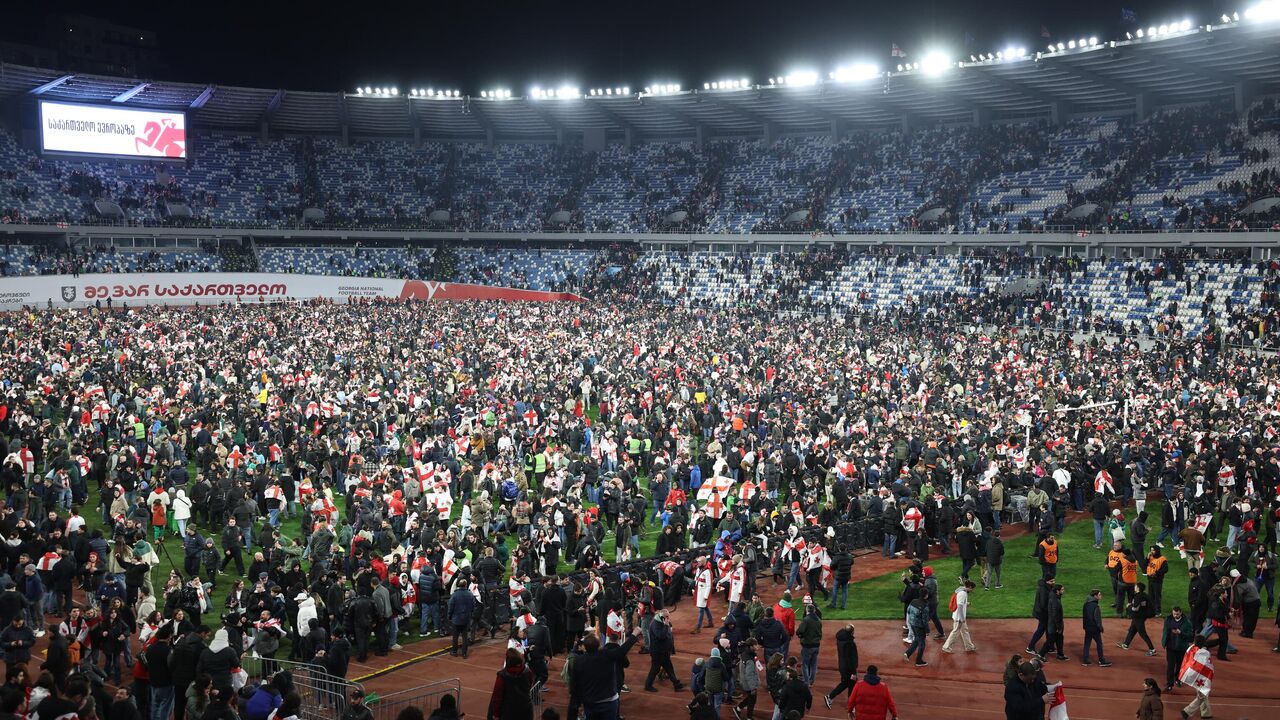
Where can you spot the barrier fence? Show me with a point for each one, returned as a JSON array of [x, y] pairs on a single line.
[[324, 696], [425, 697]]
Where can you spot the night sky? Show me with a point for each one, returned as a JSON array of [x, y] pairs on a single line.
[[474, 45]]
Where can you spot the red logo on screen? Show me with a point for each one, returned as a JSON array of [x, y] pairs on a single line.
[[162, 138]]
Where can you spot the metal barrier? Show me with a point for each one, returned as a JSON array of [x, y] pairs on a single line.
[[425, 697], [324, 696]]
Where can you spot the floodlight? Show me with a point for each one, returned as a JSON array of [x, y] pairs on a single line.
[[1093, 41], [746, 83], [626, 90], [1226, 18], [1000, 54], [857, 72], [1164, 29], [1265, 11], [1151, 32], [935, 63], [1185, 25], [1061, 47], [1071, 44], [899, 68], [484, 93], [395, 91], [802, 78]]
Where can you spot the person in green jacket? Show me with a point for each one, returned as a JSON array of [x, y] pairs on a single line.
[[1175, 640], [809, 633]]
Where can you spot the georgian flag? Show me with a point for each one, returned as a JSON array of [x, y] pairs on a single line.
[[444, 504], [797, 544], [1202, 521], [1058, 706], [747, 491], [1102, 483], [717, 484], [85, 464], [461, 444], [714, 505], [1197, 669], [1019, 457], [448, 568], [93, 390], [47, 561], [306, 489], [273, 492], [1226, 476], [274, 453], [515, 589]]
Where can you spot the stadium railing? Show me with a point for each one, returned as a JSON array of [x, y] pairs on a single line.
[[324, 696], [425, 697]]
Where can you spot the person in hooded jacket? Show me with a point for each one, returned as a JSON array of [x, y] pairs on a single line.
[[219, 660], [847, 658], [870, 698], [511, 698]]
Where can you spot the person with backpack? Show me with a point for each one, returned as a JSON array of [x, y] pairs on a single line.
[[512, 687], [960, 618]]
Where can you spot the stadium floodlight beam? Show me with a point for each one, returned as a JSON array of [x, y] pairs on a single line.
[[1093, 41], [1267, 11], [934, 63], [856, 72], [1185, 25], [802, 78]]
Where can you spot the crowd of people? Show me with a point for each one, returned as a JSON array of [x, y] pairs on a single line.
[[486, 471], [866, 182]]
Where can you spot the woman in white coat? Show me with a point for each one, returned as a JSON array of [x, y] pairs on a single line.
[[182, 512]]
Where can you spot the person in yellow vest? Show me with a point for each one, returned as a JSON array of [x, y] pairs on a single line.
[[1128, 582], [1157, 567], [1113, 568], [1047, 551]]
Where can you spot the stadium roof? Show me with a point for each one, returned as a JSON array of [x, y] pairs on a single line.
[[1232, 62]]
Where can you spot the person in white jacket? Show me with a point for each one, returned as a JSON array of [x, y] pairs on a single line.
[[182, 512], [306, 612], [960, 619]]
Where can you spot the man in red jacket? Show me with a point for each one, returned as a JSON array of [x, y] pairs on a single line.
[[871, 699], [783, 613]]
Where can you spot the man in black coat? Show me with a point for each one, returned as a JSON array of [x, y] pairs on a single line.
[[182, 666], [540, 649], [662, 645], [847, 656], [554, 611]]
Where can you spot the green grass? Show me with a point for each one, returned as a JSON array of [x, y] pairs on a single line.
[[1080, 569]]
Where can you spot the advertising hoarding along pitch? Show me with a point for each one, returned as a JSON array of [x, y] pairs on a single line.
[[118, 131]]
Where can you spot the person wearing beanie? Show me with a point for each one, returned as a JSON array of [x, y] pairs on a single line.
[[783, 613], [715, 679], [870, 698]]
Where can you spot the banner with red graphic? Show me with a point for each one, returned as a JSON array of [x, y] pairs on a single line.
[[131, 289], [106, 130]]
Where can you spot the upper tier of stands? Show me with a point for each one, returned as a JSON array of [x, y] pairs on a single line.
[[1194, 168]]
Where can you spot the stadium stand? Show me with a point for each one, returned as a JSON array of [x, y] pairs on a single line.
[[1188, 168]]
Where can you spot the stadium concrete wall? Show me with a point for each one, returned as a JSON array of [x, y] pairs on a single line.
[[67, 291]]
